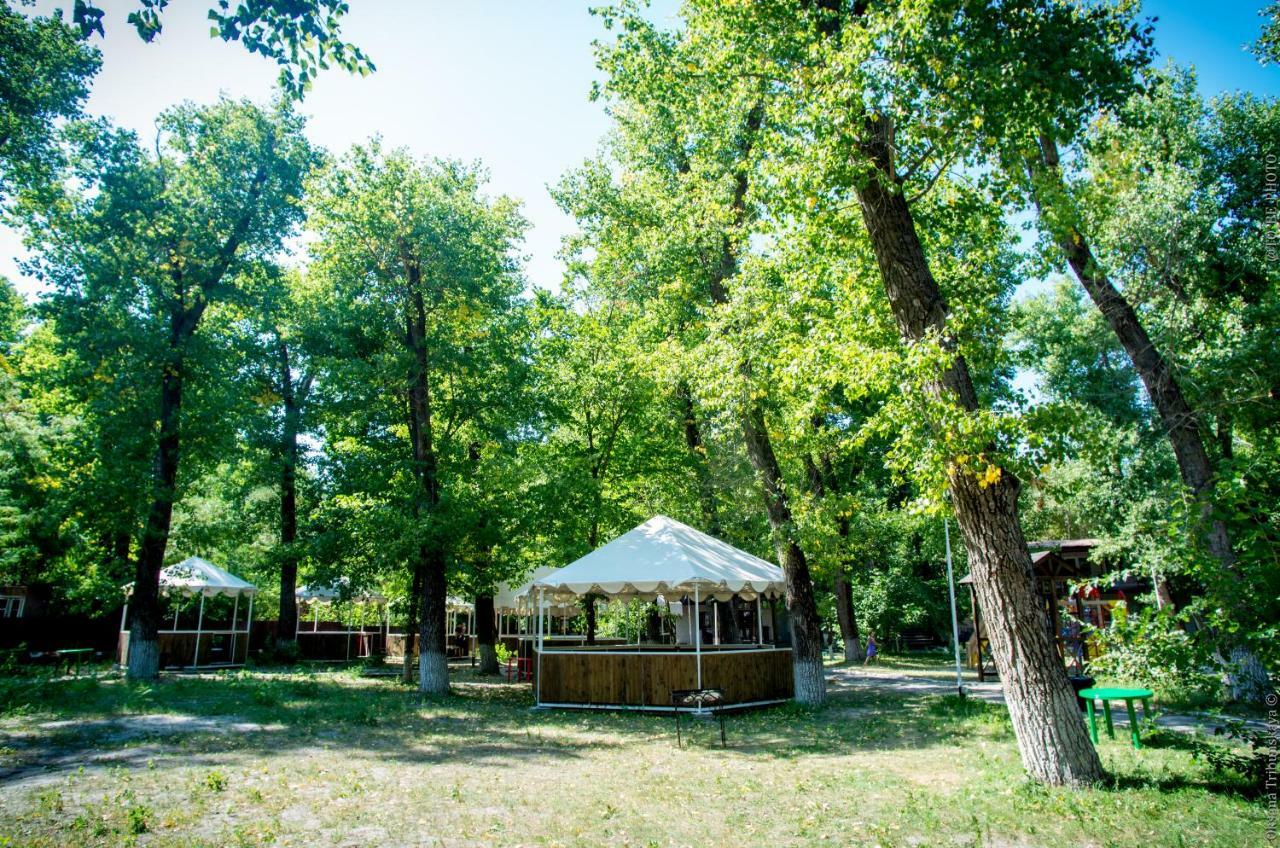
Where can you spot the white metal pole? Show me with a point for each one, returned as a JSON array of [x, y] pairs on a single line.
[[697, 634], [235, 613], [195, 659], [759, 623], [538, 694], [955, 624], [248, 626], [715, 622]]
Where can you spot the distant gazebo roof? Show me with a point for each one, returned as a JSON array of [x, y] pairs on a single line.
[[197, 576]]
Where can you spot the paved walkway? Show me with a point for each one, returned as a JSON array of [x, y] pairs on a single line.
[[885, 679]]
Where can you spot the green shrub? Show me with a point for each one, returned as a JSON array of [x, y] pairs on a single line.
[[138, 819], [1150, 648]]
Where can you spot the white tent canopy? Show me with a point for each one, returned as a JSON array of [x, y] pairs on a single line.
[[337, 590], [515, 598], [198, 576], [664, 557]]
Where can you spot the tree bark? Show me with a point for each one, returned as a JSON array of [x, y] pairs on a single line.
[[806, 630], [144, 605], [1046, 721], [1181, 424], [486, 635], [433, 662], [848, 617], [411, 623], [589, 610], [698, 453]]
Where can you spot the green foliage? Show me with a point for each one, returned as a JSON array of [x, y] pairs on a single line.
[[1151, 648], [44, 79], [302, 37]]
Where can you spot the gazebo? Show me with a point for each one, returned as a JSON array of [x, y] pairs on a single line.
[[1055, 569], [457, 610], [336, 639], [206, 646], [663, 558]]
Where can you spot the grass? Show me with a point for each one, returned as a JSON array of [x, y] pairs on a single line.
[[329, 758]]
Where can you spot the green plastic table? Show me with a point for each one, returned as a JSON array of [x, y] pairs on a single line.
[[1106, 696]]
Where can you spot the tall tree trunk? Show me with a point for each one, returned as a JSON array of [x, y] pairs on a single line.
[[486, 634], [1244, 674], [1046, 721], [411, 623], [847, 617], [806, 629], [698, 453], [144, 606], [433, 661], [1180, 422], [287, 623]]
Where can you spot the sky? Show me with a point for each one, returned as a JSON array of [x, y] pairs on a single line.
[[503, 82]]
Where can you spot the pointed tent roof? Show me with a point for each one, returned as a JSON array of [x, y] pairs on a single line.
[[198, 576], [515, 598], [664, 557], [339, 589]]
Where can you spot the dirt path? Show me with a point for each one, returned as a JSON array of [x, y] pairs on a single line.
[[928, 682]]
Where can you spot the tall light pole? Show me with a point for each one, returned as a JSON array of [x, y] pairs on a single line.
[[955, 624]]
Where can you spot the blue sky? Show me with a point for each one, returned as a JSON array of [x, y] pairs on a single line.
[[504, 82]]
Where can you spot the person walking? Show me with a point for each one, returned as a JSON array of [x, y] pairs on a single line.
[[872, 653]]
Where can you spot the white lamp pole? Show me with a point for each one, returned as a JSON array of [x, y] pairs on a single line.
[[195, 659], [759, 621], [955, 624], [697, 633]]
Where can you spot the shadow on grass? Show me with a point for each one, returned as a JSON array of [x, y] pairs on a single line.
[[58, 725]]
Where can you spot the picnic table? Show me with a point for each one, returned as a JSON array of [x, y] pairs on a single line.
[[1106, 696], [72, 657]]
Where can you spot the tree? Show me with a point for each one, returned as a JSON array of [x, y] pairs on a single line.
[[882, 134], [283, 334], [302, 36], [419, 263], [44, 78], [153, 241], [1163, 229]]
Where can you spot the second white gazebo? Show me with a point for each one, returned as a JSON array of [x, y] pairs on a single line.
[[224, 643]]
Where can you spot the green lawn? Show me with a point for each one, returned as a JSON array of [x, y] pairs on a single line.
[[329, 758]]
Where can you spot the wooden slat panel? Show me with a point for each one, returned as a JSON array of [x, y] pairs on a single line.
[[634, 679]]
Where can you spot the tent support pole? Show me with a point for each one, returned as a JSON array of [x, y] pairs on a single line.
[[248, 625], [235, 614], [715, 621], [537, 698], [759, 623], [697, 634], [195, 658], [955, 625]]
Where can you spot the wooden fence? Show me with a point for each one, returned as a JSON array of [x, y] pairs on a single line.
[[645, 676]]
